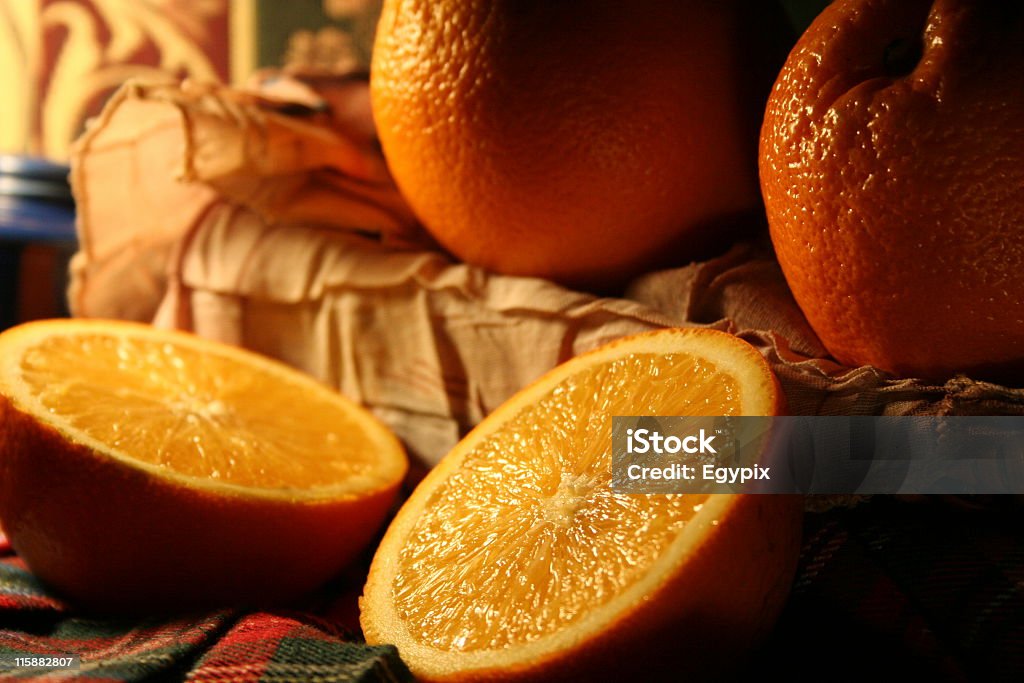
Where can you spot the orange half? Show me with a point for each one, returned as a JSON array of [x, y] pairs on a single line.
[[146, 468], [514, 559]]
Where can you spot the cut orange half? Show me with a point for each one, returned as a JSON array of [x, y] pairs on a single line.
[[149, 469], [514, 559]]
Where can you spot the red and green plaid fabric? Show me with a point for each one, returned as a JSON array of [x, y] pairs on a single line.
[[930, 590], [273, 646]]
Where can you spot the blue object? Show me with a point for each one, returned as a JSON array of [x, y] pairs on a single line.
[[36, 208]]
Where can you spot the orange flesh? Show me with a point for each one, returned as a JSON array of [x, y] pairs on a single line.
[[199, 415], [527, 537]]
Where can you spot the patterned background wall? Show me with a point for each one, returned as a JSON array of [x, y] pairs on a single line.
[[60, 59]]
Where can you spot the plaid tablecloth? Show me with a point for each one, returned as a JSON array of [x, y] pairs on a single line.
[[887, 589], [319, 645]]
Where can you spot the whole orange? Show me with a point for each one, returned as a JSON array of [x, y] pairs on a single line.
[[581, 142], [892, 167]]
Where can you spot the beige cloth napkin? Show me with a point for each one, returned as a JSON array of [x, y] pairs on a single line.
[[266, 219]]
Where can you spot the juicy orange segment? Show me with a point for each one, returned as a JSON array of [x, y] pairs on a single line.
[[550, 466], [194, 413], [515, 552], [194, 408], [146, 469]]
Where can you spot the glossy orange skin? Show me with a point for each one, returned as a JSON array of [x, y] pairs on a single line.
[[895, 187], [583, 143]]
